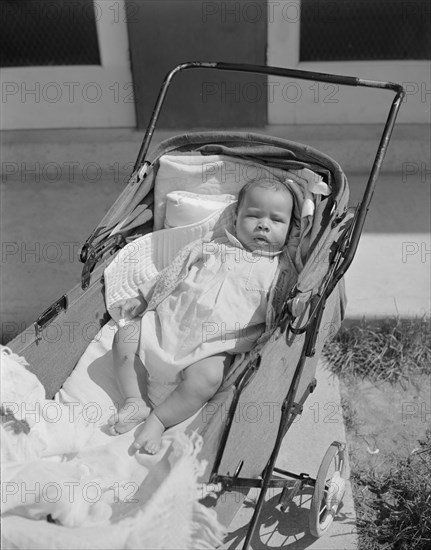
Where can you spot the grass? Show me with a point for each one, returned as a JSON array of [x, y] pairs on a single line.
[[393, 504], [394, 508], [388, 350]]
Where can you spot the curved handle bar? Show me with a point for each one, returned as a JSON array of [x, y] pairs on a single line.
[[257, 69], [302, 75]]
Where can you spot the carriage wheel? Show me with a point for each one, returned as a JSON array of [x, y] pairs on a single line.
[[329, 489]]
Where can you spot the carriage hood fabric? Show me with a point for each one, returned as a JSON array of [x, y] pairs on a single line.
[[307, 189], [133, 208], [132, 212]]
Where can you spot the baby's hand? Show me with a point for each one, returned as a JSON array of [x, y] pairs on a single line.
[[131, 307]]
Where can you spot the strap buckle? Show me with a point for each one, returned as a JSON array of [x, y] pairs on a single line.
[[90, 255]]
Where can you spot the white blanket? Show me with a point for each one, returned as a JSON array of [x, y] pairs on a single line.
[[141, 260], [100, 494]]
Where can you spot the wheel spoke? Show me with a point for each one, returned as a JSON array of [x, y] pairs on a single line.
[[322, 512], [340, 463]]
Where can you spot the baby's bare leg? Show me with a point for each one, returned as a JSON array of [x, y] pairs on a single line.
[[126, 367], [200, 382]]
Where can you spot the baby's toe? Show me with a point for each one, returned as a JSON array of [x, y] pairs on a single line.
[[112, 430], [112, 420], [152, 447], [141, 438]]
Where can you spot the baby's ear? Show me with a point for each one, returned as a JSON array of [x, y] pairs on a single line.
[[235, 215]]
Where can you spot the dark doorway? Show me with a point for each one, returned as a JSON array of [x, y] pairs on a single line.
[[164, 33]]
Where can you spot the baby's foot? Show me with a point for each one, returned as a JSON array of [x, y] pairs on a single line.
[[133, 412], [149, 435]]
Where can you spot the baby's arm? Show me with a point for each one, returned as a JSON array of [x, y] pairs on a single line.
[[200, 382], [126, 367], [126, 344], [125, 356]]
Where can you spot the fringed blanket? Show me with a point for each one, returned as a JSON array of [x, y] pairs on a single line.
[[67, 484]]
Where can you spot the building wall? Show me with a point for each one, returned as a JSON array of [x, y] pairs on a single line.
[[102, 95]]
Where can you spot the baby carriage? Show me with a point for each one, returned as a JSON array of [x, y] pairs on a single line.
[[303, 313]]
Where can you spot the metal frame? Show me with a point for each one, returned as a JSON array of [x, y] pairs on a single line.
[[342, 260], [301, 75], [289, 411], [90, 256]]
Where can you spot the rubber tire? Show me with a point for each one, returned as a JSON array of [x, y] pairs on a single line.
[[317, 526]]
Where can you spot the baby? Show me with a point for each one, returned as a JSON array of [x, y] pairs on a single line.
[[225, 288]]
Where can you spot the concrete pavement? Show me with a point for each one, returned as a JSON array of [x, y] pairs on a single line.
[[56, 186], [352, 146]]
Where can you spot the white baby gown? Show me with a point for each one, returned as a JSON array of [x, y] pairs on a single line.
[[220, 307]]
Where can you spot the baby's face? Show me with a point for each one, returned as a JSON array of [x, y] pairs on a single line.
[[263, 219]]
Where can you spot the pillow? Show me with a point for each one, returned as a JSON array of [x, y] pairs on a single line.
[[217, 174], [203, 174], [185, 207]]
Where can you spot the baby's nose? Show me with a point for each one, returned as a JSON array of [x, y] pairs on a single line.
[[263, 224]]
